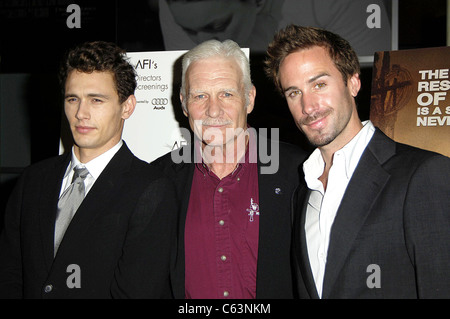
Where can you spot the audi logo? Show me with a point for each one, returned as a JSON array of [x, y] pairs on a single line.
[[160, 101]]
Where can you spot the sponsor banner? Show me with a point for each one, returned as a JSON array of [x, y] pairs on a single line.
[[154, 128], [410, 101]]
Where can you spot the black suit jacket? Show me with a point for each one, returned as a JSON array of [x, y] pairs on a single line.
[[274, 275], [128, 210], [395, 214]]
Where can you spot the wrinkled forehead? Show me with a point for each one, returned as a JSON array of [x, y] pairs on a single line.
[[214, 70]]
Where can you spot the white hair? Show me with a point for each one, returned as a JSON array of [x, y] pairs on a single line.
[[215, 48]]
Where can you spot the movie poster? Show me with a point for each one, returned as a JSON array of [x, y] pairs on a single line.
[[410, 101]]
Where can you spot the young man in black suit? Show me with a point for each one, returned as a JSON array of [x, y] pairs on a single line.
[[124, 223], [372, 218]]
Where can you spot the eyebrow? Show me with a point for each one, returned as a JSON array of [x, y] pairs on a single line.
[[89, 95], [311, 80], [318, 76], [220, 90]]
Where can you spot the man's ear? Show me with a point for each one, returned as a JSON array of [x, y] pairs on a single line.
[[251, 99], [128, 107], [354, 84], [185, 112]]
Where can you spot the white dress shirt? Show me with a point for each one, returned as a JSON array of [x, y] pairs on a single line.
[[323, 205], [95, 168]]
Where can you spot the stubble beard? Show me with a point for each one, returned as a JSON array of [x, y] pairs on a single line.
[[328, 134]]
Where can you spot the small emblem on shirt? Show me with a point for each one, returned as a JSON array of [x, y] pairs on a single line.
[[254, 209]]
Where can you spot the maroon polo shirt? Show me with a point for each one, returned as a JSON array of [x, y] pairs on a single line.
[[221, 233]]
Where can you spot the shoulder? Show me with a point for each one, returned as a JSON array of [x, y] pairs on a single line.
[[423, 162], [174, 161], [417, 154], [286, 153], [405, 161], [294, 150], [165, 160], [50, 164], [176, 166], [402, 154], [281, 161]]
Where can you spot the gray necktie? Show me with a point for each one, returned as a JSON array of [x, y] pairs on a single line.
[[68, 204]]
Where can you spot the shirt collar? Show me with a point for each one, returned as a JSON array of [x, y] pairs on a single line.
[[98, 164], [353, 150], [350, 154], [248, 158]]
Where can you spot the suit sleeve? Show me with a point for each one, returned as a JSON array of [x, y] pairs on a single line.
[[144, 268], [10, 257], [427, 227]]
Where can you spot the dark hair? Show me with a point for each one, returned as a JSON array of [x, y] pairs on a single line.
[[103, 57], [295, 38]]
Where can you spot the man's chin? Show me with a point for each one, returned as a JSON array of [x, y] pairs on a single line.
[[320, 140]]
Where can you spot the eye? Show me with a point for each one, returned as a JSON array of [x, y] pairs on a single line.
[[71, 99], [197, 98], [227, 94], [97, 101], [293, 93], [320, 85]]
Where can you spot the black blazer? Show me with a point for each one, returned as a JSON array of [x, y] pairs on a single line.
[[394, 214], [130, 207], [274, 275]]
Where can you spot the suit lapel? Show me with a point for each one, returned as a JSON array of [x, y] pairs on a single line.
[[50, 189], [273, 195], [301, 251], [266, 204], [183, 174], [269, 208], [96, 201], [367, 182]]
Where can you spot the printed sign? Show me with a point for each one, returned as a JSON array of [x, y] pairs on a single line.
[[154, 128], [410, 101]]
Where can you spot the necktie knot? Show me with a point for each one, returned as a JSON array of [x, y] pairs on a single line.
[[80, 173]]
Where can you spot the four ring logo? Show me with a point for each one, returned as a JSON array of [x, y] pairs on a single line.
[[160, 101]]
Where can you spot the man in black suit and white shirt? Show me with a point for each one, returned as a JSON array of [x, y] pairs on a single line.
[[120, 235], [373, 219]]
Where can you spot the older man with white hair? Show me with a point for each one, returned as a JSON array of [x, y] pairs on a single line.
[[235, 223]]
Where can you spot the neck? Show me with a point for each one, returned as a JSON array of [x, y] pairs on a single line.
[[223, 159], [86, 155], [338, 143]]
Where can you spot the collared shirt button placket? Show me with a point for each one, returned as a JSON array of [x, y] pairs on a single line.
[[223, 234]]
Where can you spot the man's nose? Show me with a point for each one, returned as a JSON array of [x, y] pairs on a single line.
[[309, 103], [214, 107], [83, 110]]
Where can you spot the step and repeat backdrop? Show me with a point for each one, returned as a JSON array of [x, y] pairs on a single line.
[[34, 35]]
